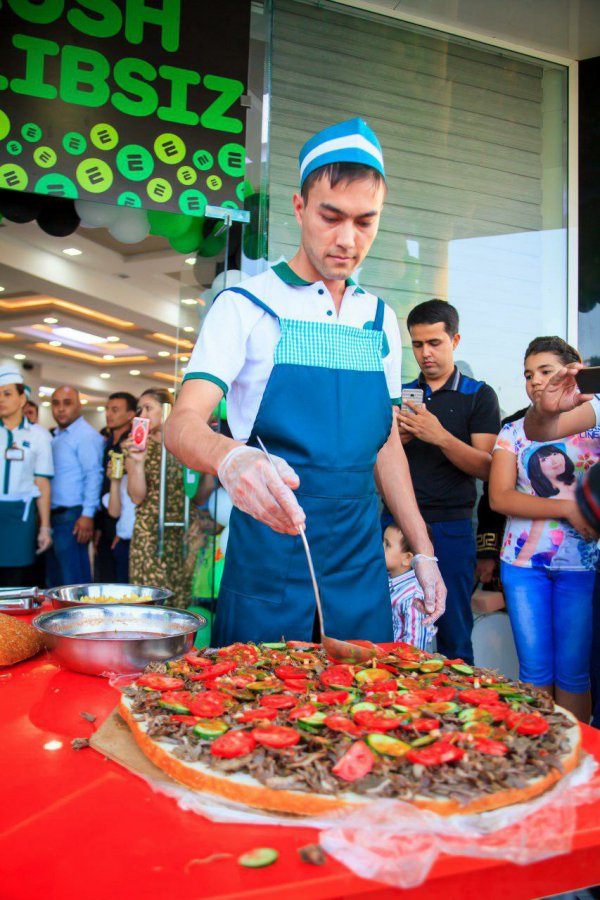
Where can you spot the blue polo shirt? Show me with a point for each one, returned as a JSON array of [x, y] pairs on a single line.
[[464, 407]]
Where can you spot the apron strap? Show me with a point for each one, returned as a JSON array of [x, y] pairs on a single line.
[[379, 313], [251, 297]]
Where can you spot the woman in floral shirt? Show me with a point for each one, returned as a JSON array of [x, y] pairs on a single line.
[[548, 555]]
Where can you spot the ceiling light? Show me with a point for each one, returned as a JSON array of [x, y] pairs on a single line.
[[191, 260], [45, 391], [108, 356], [72, 251], [171, 390], [55, 343], [111, 339], [46, 403], [84, 402], [50, 320], [184, 358], [88, 357], [188, 329], [7, 336], [34, 302], [2, 289], [161, 353], [104, 374], [81, 337], [100, 408], [134, 371], [189, 301], [20, 356]]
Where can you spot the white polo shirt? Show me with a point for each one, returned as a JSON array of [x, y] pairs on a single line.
[[236, 345], [17, 476]]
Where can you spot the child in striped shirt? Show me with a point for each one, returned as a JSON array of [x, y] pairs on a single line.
[[405, 592]]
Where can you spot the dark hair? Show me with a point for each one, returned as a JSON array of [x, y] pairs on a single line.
[[338, 172], [161, 395], [555, 345], [542, 485], [405, 545], [129, 399], [433, 311], [20, 389], [32, 403]]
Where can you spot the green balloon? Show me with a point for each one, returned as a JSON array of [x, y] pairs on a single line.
[[211, 244], [253, 244], [168, 224], [190, 240]]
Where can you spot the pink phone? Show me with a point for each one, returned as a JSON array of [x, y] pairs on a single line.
[[139, 432]]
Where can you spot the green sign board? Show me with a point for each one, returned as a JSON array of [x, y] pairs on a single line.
[[129, 102]]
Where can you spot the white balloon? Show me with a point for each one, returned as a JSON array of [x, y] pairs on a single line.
[[220, 506], [131, 227], [223, 538], [96, 215]]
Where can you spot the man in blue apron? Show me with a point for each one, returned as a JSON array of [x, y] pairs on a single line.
[[25, 472], [310, 363]]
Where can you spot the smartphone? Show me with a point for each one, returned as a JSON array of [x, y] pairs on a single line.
[[588, 380], [412, 395], [139, 432]]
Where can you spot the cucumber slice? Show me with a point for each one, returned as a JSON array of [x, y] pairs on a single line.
[[386, 745], [275, 645], [474, 715], [261, 686], [372, 676], [408, 666], [365, 704], [399, 708], [258, 858], [210, 728], [442, 707], [423, 741], [317, 720], [432, 665], [174, 707], [463, 668]]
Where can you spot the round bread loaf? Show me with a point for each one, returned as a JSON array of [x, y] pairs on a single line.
[[18, 640]]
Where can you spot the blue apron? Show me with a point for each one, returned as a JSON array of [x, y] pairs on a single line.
[[326, 410]]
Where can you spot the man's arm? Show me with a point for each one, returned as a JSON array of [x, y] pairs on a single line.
[[188, 436], [560, 410]]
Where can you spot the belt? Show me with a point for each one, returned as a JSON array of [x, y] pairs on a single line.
[[56, 510]]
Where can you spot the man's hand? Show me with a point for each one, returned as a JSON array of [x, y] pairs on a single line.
[[434, 589], [581, 524], [561, 394], [422, 424], [84, 529], [44, 538], [484, 570], [115, 542], [264, 492]]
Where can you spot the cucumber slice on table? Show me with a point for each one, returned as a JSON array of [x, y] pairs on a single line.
[[423, 741], [386, 745], [258, 858], [276, 645], [210, 728], [315, 721], [432, 665], [174, 707], [463, 668]]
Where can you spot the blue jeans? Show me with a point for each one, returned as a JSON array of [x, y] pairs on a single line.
[[120, 555], [454, 545], [595, 659], [551, 618], [67, 561]]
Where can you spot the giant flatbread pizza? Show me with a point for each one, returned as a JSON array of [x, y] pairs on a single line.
[[281, 727]]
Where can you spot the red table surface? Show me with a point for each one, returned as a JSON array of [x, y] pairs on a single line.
[[74, 825]]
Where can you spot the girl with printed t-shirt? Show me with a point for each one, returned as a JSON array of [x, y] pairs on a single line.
[[548, 553]]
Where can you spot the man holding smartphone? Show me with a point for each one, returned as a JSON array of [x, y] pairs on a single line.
[[448, 438], [310, 363]]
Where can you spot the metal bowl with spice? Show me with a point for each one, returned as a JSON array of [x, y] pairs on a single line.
[[117, 638], [70, 595]]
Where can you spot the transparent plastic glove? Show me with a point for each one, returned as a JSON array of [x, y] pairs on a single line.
[[257, 489], [431, 581], [44, 538]]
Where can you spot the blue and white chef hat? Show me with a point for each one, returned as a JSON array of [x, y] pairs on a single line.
[[9, 374], [349, 142]]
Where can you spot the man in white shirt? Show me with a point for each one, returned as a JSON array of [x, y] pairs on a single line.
[[310, 363]]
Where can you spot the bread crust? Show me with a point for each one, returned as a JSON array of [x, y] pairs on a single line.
[[301, 803]]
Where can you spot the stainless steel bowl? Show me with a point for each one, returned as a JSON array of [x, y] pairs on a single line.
[[118, 638], [71, 595]]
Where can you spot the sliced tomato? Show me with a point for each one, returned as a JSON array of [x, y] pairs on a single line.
[[532, 724], [356, 762], [200, 662], [386, 699], [341, 675], [232, 744], [296, 684], [277, 736], [478, 729], [242, 652], [343, 723], [278, 701], [498, 711], [177, 698], [413, 699], [490, 748], [236, 681], [435, 754], [257, 715], [479, 696], [302, 645], [207, 707], [377, 721], [390, 685], [454, 662], [444, 694], [186, 720], [423, 725], [332, 698], [284, 672], [220, 668], [160, 682], [302, 712]]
